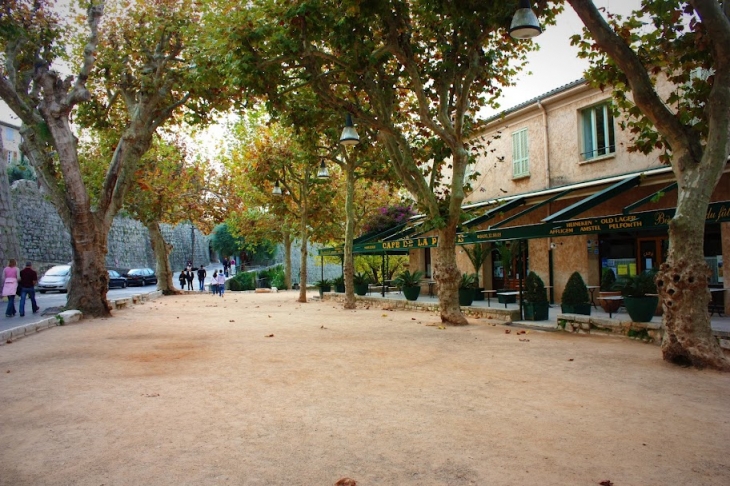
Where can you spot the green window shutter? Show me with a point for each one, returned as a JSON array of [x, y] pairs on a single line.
[[520, 154]]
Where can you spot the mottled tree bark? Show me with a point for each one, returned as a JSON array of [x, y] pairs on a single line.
[[303, 260], [162, 250], [287, 259], [349, 264], [9, 236]]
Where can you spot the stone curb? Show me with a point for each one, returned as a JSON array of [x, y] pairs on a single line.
[[69, 317]]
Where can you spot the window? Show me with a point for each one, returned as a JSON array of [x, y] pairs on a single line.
[[520, 154], [9, 134], [598, 136]]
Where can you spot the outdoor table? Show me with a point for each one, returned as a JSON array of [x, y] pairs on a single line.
[[611, 297], [489, 294], [592, 290], [507, 294], [431, 284]]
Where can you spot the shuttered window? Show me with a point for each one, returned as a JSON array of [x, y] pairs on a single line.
[[520, 154], [598, 136]]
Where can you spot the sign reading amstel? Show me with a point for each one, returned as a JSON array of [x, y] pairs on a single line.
[[648, 220]]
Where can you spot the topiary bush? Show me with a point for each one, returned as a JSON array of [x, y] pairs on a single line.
[[576, 292], [535, 289]]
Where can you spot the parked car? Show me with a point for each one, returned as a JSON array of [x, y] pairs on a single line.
[[55, 279], [116, 280], [140, 276]]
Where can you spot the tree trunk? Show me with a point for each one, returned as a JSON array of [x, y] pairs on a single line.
[[89, 279], [682, 283], [303, 261], [287, 260], [9, 240], [162, 251], [349, 235], [447, 274]]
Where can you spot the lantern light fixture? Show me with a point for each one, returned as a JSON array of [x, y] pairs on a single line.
[[349, 134], [524, 23]]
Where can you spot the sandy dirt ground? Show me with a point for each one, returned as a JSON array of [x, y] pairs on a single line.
[[256, 389]]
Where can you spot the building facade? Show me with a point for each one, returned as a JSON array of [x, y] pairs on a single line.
[[558, 190]]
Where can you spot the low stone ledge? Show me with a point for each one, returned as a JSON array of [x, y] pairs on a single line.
[[121, 303], [650, 332], [71, 316]]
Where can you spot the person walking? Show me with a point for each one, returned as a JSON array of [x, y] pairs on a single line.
[[182, 278], [28, 279], [221, 283], [225, 266], [11, 277], [214, 283], [201, 277], [190, 276]]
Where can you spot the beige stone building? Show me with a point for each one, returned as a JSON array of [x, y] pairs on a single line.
[[558, 176]]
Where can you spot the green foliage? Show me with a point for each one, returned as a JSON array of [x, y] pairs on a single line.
[[468, 281], [576, 292], [608, 279], [274, 275], [324, 283], [477, 256], [361, 278], [639, 285], [408, 279], [223, 242], [535, 289], [243, 281], [21, 171], [338, 280]]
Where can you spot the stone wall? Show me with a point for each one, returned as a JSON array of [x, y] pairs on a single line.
[[45, 241]]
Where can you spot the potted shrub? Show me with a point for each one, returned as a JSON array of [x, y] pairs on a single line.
[[361, 281], [575, 296], [609, 289], [536, 302], [467, 286], [339, 283], [640, 297], [409, 283], [477, 255], [323, 286]]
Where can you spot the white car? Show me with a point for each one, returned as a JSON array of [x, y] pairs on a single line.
[[56, 278]]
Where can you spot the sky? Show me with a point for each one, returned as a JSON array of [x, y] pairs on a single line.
[[554, 65]]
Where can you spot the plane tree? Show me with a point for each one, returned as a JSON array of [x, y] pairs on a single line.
[[139, 61], [685, 43], [414, 72]]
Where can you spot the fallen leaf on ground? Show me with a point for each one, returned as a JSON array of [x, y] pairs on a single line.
[[606, 483], [570, 359], [520, 332], [442, 327], [346, 482], [413, 318], [525, 340], [269, 335], [507, 331], [231, 320], [323, 327]]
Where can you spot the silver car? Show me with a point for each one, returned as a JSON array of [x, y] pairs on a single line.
[[56, 278]]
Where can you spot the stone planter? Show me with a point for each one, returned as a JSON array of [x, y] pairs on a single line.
[[466, 296], [479, 293], [340, 288], [609, 306], [411, 293], [536, 311], [641, 309], [361, 289]]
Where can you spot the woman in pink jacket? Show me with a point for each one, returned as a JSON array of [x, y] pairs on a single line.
[[11, 276]]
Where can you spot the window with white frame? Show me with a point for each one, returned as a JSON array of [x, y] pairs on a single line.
[[9, 134], [520, 154], [598, 134]]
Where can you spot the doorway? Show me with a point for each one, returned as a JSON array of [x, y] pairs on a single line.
[[652, 252]]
